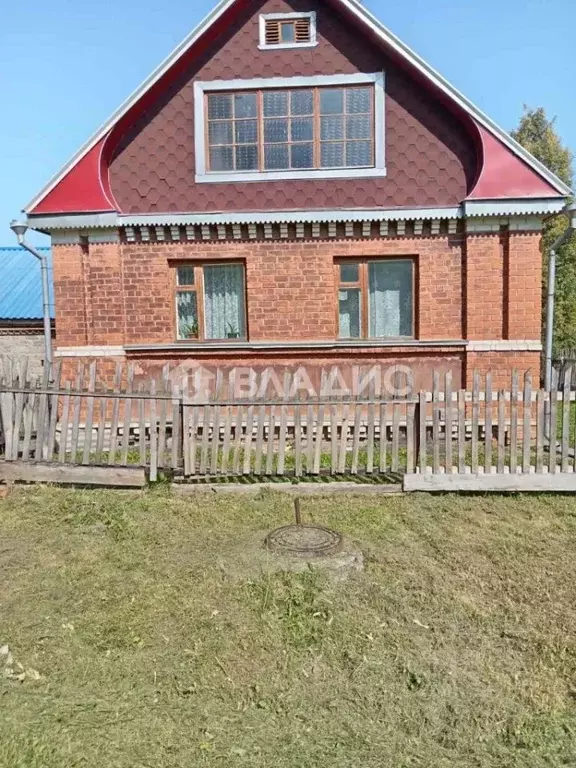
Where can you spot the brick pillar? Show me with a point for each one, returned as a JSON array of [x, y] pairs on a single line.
[[484, 286], [525, 286], [69, 295], [106, 292], [503, 298]]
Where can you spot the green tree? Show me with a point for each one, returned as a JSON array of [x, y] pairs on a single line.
[[538, 135]]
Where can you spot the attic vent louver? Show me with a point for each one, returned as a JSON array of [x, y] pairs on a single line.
[[289, 30]]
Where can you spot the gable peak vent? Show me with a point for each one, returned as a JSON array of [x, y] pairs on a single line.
[[287, 30]]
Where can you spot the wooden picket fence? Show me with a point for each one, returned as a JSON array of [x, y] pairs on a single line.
[[161, 426]]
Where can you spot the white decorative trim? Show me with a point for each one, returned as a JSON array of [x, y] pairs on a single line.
[[65, 238], [526, 224], [79, 221], [92, 351], [263, 46], [284, 225], [485, 224], [203, 176], [56, 222], [514, 207], [491, 224], [505, 346], [472, 346], [288, 217], [102, 236], [315, 173]]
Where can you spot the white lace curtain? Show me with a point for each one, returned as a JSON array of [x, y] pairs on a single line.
[[224, 301], [390, 299]]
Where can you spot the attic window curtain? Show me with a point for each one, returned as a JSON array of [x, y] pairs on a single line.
[[224, 301]]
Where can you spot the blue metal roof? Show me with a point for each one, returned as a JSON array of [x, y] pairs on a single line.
[[21, 285]]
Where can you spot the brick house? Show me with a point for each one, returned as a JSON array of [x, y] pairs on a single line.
[[294, 185]]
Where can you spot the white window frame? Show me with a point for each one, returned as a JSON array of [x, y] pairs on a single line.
[[287, 17], [204, 176]]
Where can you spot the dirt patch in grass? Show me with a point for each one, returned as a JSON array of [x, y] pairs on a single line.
[[455, 646]]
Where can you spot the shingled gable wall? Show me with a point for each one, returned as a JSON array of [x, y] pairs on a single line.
[[481, 287], [431, 155]]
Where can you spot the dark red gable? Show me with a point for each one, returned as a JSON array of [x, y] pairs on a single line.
[[436, 154]]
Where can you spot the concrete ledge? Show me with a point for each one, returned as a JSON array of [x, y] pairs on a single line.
[[106, 477], [302, 489], [505, 346], [90, 352], [546, 483]]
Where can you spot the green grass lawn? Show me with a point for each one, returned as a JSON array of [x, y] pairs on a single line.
[[148, 640]]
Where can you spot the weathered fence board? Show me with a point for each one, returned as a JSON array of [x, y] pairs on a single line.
[[25, 472], [489, 431]]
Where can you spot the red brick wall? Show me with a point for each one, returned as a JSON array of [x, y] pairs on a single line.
[[70, 296], [480, 287], [501, 365], [351, 367], [485, 286], [525, 286], [291, 289]]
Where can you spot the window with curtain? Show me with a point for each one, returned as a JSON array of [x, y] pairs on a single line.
[[376, 298], [210, 302]]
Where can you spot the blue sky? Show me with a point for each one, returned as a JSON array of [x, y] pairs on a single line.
[[66, 65]]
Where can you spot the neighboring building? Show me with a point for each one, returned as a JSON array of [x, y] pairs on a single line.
[[295, 185], [21, 317]]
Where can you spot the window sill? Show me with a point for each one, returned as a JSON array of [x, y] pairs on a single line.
[[285, 46], [202, 346], [336, 173]]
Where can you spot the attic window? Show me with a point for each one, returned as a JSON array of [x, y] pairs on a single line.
[[322, 127], [287, 30]]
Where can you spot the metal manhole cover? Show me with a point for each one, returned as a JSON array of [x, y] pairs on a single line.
[[304, 541]]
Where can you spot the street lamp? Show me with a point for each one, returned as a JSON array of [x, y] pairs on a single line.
[[20, 228]]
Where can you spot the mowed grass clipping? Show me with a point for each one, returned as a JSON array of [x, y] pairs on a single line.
[[145, 639]]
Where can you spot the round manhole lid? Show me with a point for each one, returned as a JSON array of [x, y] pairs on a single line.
[[304, 541]]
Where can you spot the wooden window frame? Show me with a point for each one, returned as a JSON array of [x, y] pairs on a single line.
[[316, 116], [363, 285], [301, 34], [202, 175], [271, 23], [198, 289]]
